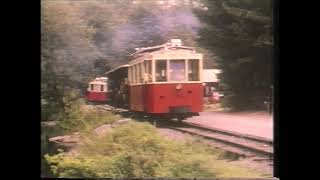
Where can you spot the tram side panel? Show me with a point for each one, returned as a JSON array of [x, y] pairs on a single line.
[[166, 98], [97, 96]]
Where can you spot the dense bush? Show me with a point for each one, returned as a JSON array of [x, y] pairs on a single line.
[[76, 119], [134, 150]]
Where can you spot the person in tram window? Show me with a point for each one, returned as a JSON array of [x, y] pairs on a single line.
[[161, 76], [145, 78], [178, 75]]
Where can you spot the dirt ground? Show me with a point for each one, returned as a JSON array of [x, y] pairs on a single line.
[[213, 107], [252, 123]]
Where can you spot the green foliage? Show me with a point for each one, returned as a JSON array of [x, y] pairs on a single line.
[[76, 119], [72, 118], [134, 150], [239, 32], [74, 167]]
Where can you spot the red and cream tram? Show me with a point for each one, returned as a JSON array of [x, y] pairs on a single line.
[[97, 90], [166, 80]]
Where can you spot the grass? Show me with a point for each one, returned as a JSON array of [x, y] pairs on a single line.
[[136, 149], [150, 154], [225, 170], [221, 161]]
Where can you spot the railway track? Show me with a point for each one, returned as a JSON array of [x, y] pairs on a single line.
[[239, 135], [241, 144], [111, 108]]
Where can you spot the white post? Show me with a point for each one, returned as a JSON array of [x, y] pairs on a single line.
[[200, 68], [186, 68]]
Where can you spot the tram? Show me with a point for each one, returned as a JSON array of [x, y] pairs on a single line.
[[166, 80], [97, 90]]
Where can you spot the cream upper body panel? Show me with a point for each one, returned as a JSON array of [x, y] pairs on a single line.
[[143, 68]]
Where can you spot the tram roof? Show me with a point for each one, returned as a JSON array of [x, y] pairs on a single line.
[[119, 67], [172, 44], [98, 82]]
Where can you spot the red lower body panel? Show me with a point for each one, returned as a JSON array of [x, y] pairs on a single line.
[[97, 96], [165, 98]]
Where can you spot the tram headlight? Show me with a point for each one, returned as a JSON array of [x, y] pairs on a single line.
[[178, 87]]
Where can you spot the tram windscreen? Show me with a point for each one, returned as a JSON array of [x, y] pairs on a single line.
[[177, 70], [95, 87], [161, 70], [193, 70]]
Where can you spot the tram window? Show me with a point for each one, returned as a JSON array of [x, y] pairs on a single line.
[[137, 73], [129, 75], [134, 74], [177, 70], [95, 87], [147, 76], [193, 70], [91, 87], [161, 70], [132, 80], [141, 72], [101, 88]]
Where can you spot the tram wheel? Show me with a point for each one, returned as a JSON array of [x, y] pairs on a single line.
[[180, 118]]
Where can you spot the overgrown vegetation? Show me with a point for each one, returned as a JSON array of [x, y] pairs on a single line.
[[73, 118], [137, 150], [77, 119]]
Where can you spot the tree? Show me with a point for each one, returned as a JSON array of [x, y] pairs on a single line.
[[66, 49], [239, 32]]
